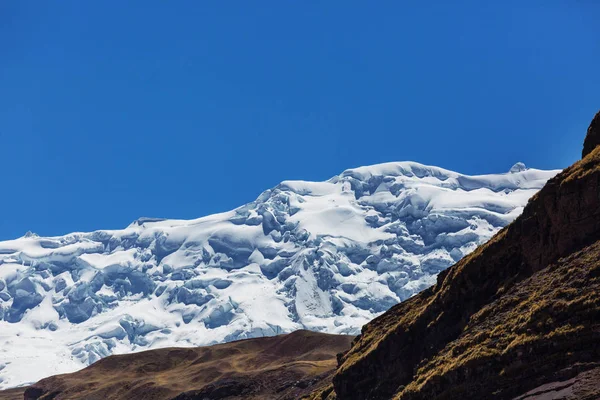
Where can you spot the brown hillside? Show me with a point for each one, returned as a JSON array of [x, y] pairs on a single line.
[[12, 394], [281, 367], [520, 312]]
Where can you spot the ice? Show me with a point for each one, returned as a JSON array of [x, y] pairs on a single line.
[[518, 167], [326, 256]]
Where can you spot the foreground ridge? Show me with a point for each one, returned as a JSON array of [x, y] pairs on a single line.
[[516, 317]]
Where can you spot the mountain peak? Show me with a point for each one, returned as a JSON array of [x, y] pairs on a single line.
[[592, 139], [142, 220], [518, 167]]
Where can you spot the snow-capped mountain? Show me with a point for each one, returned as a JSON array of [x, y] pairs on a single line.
[[326, 256]]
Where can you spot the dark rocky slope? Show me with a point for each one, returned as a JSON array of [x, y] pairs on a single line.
[[592, 139], [280, 367], [520, 314]]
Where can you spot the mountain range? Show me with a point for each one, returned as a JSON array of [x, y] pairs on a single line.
[[517, 318], [321, 256]]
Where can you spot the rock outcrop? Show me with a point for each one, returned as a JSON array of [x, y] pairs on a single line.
[[592, 138]]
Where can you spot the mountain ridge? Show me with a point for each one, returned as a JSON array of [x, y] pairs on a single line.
[[325, 256]]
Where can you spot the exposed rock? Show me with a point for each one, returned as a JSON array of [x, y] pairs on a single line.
[[592, 139]]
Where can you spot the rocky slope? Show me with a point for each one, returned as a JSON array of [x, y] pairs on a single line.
[[281, 367], [325, 256], [519, 317]]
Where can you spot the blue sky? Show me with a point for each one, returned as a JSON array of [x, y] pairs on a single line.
[[112, 111]]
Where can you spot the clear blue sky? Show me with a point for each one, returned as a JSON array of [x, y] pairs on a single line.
[[114, 110]]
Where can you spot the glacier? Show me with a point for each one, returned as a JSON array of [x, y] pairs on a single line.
[[325, 256]]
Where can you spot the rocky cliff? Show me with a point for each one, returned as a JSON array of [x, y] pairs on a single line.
[[520, 312], [592, 138]]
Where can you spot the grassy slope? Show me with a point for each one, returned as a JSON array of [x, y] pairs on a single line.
[[285, 366], [516, 312]]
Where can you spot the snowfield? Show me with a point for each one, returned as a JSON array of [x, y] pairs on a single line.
[[325, 256]]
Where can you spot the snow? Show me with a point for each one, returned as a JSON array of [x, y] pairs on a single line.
[[326, 256]]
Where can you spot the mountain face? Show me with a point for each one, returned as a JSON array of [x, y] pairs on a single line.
[[517, 318], [324, 256]]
